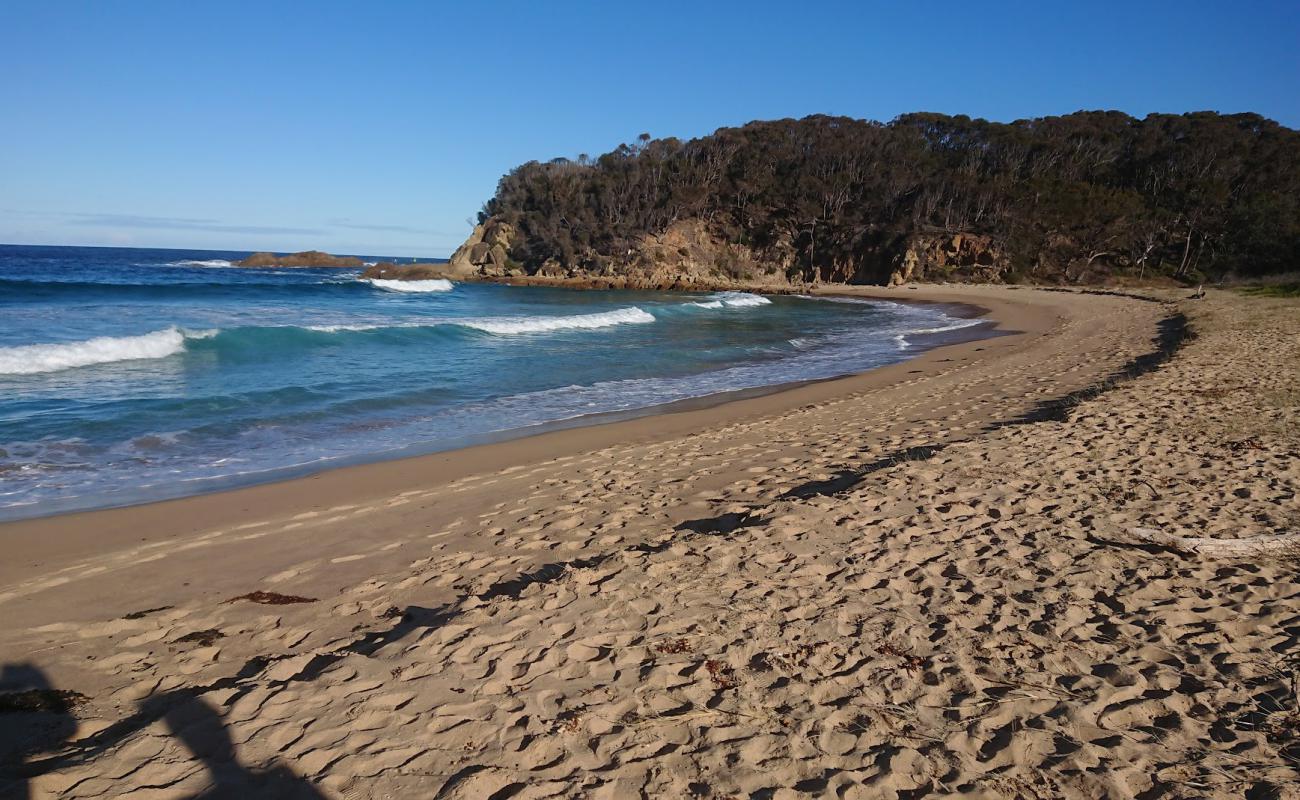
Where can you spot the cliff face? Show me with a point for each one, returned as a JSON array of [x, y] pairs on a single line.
[[486, 252], [950, 257], [686, 255], [689, 255]]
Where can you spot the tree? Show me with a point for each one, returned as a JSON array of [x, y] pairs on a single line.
[[1066, 197]]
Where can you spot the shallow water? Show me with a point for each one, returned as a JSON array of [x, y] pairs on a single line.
[[139, 374]]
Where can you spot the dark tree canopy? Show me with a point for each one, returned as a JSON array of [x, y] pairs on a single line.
[[1182, 195]]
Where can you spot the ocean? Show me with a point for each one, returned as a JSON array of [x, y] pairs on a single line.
[[129, 375]]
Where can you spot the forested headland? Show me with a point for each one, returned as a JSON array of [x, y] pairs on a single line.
[[1082, 198]]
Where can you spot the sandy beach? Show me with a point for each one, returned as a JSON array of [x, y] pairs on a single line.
[[919, 581]]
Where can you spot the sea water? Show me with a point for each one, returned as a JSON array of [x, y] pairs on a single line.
[[129, 375]]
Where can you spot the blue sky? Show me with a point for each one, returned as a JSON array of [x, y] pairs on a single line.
[[380, 128]]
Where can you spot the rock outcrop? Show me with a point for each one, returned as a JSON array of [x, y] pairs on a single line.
[[945, 256], [421, 271], [691, 255], [486, 252], [307, 258], [685, 256]]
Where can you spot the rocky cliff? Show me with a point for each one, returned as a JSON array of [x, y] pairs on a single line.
[[689, 255], [945, 256], [686, 255], [486, 252]]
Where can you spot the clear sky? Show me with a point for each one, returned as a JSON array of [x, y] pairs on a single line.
[[381, 127]]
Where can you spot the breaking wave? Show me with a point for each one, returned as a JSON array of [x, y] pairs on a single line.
[[435, 285], [508, 325], [33, 359], [733, 300], [213, 262]]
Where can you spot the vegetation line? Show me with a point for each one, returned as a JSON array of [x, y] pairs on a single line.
[[1082, 198]]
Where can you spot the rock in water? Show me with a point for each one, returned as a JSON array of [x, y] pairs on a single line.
[[423, 271], [307, 258]]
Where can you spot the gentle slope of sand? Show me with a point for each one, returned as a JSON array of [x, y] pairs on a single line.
[[914, 582]]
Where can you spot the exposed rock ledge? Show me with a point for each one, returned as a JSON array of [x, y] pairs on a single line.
[[422, 271], [685, 257], [689, 256], [307, 258]]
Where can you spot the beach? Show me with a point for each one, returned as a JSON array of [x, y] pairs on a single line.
[[917, 581], [186, 374]]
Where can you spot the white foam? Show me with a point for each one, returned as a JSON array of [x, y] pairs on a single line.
[[965, 323], [734, 300], [507, 325], [215, 262], [851, 300], [435, 285], [511, 325], [337, 328], [904, 343], [36, 358]]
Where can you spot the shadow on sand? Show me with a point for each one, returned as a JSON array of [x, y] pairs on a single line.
[[37, 722]]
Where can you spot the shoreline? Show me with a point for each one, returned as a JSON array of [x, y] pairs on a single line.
[[61, 537], [154, 494]]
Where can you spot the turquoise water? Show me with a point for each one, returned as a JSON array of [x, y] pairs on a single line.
[[128, 375]]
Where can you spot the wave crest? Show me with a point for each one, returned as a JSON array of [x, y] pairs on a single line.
[[32, 359], [212, 262], [507, 325], [504, 325], [433, 285], [733, 300]]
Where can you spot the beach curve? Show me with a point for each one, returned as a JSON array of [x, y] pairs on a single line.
[[706, 589]]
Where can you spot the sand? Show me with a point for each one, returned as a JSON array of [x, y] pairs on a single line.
[[921, 581]]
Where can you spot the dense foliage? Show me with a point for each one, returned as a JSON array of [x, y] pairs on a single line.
[[1063, 197]]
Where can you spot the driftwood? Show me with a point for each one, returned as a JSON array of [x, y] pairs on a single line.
[[1281, 544]]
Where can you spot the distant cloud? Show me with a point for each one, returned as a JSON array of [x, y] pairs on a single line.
[[184, 223], [362, 226], [140, 221], [120, 223], [389, 228]]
